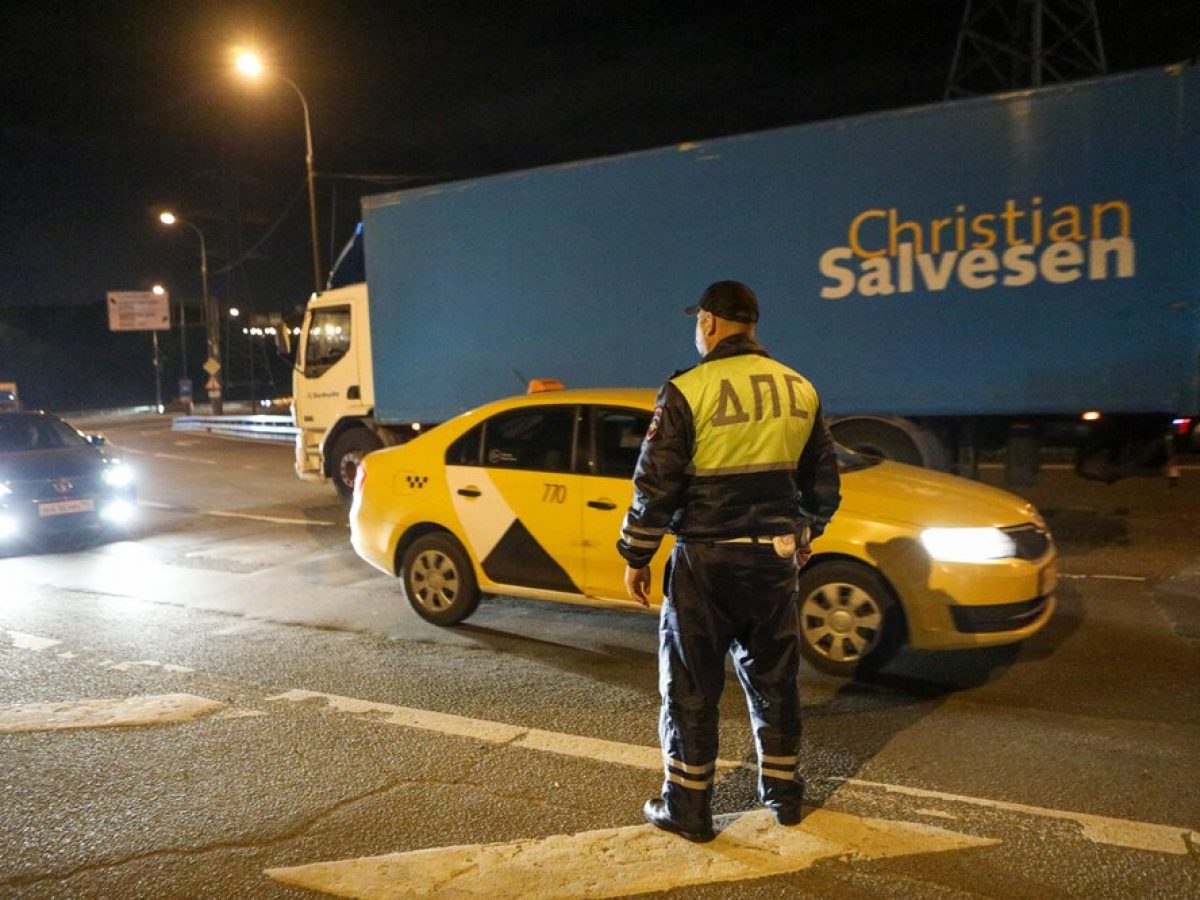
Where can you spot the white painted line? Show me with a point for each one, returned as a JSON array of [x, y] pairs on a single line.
[[634, 755], [107, 713], [1100, 829], [1076, 577], [191, 459], [22, 641], [154, 505], [618, 862], [275, 520]]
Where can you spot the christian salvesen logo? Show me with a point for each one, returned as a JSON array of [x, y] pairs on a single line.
[[1013, 245]]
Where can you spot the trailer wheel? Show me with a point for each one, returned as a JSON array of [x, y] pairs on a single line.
[[438, 579], [878, 439], [850, 621], [348, 451]]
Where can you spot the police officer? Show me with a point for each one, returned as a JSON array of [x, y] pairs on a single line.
[[739, 464]]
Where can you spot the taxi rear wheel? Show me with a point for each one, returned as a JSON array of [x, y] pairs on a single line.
[[850, 621], [438, 579]]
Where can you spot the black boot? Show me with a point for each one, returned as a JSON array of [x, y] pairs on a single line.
[[659, 816]]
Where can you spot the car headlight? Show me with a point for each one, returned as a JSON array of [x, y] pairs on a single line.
[[118, 475], [967, 544]]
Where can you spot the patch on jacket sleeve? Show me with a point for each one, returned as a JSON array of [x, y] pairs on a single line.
[[652, 431]]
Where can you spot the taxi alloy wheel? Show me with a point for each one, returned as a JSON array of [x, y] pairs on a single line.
[[439, 580], [849, 619]]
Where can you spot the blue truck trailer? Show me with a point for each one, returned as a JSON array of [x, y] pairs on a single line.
[[990, 273]]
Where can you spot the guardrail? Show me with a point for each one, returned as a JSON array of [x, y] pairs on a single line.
[[277, 429]]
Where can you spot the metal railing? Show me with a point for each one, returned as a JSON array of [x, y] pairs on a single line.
[[277, 429]]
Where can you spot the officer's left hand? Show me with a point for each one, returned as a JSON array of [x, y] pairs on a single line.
[[637, 584], [803, 555]]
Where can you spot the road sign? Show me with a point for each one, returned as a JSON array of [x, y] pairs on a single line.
[[138, 311], [211, 366], [213, 384]]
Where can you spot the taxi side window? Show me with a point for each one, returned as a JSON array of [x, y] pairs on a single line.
[[466, 451], [618, 440], [538, 439]]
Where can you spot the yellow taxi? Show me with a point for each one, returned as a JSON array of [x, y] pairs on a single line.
[[524, 497]]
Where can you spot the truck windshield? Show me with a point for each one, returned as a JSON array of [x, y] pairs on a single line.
[[328, 339]]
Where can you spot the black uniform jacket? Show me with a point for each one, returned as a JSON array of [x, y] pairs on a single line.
[[738, 447]]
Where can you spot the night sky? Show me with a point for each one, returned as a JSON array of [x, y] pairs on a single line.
[[114, 110]]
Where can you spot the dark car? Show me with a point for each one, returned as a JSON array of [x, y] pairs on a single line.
[[55, 480]]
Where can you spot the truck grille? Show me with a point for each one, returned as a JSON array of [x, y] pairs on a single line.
[[1032, 542]]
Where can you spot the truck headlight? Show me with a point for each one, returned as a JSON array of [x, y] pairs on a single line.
[[967, 544], [118, 475]]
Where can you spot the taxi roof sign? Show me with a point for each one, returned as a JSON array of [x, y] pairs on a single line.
[[540, 385]]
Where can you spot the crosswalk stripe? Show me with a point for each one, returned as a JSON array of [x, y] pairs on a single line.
[[634, 755], [23, 641], [151, 709], [619, 862]]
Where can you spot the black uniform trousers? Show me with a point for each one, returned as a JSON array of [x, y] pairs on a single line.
[[721, 598]]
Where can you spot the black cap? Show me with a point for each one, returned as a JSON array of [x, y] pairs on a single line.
[[728, 299]]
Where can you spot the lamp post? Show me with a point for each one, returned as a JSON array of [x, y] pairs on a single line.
[[211, 324], [250, 66]]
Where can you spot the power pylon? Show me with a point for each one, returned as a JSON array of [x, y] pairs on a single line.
[[1006, 45]]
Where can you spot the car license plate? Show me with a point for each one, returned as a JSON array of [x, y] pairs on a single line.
[[66, 507], [1048, 579]]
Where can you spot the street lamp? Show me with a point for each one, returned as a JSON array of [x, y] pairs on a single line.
[[211, 325], [250, 66]]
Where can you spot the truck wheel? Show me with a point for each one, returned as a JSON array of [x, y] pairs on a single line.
[[348, 451], [439, 580], [850, 621], [878, 439]]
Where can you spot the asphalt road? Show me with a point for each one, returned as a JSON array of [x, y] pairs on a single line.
[[295, 712]]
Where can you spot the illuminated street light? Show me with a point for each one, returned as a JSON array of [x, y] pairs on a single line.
[[158, 290], [211, 323], [249, 65], [234, 312]]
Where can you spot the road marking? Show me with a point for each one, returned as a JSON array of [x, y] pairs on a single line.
[[1137, 578], [1099, 829], [22, 641], [192, 459], [634, 755], [225, 514], [155, 709], [619, 862], [276, 520]]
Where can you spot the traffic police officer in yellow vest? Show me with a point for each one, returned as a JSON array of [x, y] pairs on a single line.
[[739, 464]]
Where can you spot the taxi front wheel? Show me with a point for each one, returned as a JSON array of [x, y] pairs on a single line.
[[850, 621], [439, 580]]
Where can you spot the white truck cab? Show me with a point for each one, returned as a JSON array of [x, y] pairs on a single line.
[[333, 388]]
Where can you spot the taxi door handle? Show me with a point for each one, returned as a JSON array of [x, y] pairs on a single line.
[[602, 504], [470, 492]]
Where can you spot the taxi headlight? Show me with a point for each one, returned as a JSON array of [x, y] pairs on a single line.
[[967, 544], [118, 475]]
